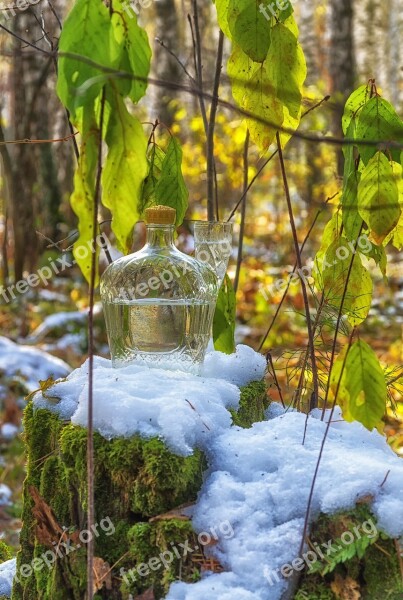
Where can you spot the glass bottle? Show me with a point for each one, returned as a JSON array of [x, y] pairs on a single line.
[[158, 302]]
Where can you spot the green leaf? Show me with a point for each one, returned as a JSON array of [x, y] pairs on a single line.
[[254, 92], [331, 271], [222, 7], [125, 169], [354, 104], [82, 198], [360, 380], [155, 156], [134, 51], [378, 254], [287, 68], [352, 221], [224, 319], [378, 198], [85, 32], [378, 120], [250, 29], [170, 189]]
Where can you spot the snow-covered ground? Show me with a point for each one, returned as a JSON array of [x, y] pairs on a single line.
[[7, 572], [258, 480], [32, 364]]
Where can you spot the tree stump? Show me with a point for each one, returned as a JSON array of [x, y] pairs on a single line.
[[136, 481]]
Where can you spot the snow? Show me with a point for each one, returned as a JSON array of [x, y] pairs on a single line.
[[259, 479], [239, 368], [31, 363], [8, 431], [5, 494], [183, 409], [7, 572]]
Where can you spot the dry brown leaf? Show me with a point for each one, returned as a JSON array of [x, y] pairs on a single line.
[[345, 589], [147, 595], [175, 513], [48, 529], [368, 499], [102, 574]]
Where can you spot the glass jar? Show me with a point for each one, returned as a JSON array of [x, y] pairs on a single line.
[[158, 302]]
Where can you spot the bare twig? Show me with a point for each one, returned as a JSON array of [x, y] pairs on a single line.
[[315, 475], [109, 72], [243, 212], [178, 60], [270, 360], [210, 134], [266, 335], [197, 47], [299, 264], [16, 36], [90, 435], [55, 14], [338, 321]]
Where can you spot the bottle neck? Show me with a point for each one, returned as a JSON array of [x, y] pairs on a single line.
[[160, 235]]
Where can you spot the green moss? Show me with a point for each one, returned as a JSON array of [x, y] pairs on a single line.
[[5, 552], [370, 559], [254, 401]]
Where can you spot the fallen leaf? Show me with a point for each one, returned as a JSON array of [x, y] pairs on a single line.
[[345, 589], [102, 574], [48, 529]]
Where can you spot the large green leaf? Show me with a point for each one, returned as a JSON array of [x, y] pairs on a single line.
[[249, 28], [125, 169], [360, 381], [134, 52], [85, 32], [82, 198], [352, 220], [170, 189], [378, 120], [222, 7], [224, 319], [254, 92], [286, 68], [340, 284], [378, 198], [354, 104]]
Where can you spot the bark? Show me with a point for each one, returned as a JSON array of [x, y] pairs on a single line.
[[342, 65]]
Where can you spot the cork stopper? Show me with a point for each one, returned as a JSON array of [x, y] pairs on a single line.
[[160, 215]]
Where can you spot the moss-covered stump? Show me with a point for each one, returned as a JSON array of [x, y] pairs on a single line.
[[360, 563], [135, 480]]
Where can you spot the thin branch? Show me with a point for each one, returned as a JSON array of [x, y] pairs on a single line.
[[210, 133], [198, 64], [270, 158], [109, 72], [338, 321], [299, 264], [293, 271], [29, 141], [26, 41], [310, 497], [243, 212], [270, 360], [55, 14], [91, 350], [178, 60]]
